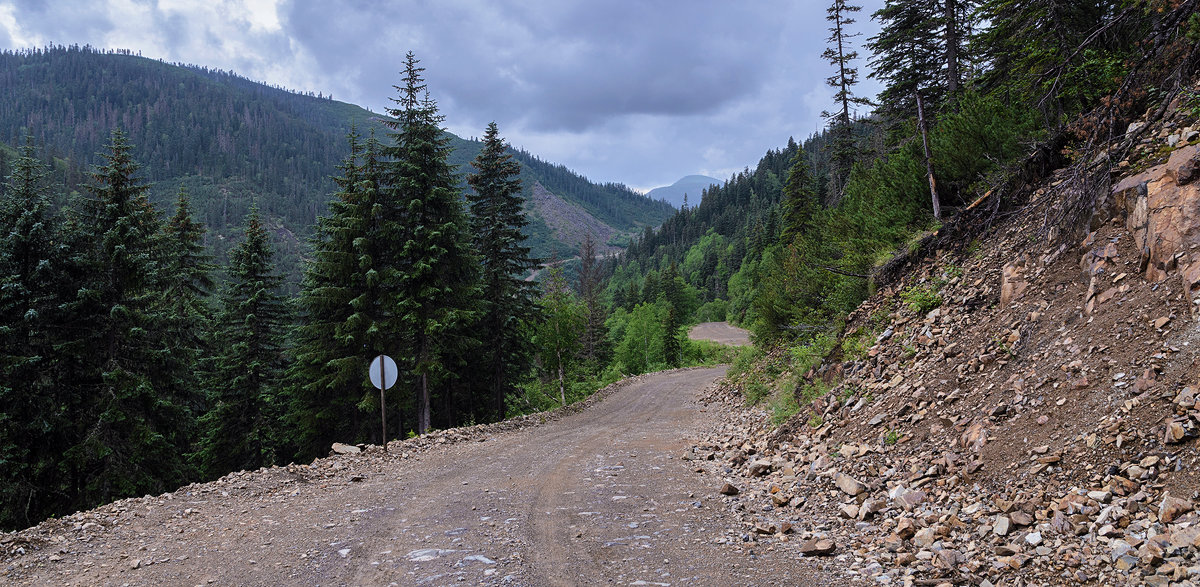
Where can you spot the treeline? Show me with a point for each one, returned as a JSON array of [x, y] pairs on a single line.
[[131, 362], [231, 141], [970, 88]]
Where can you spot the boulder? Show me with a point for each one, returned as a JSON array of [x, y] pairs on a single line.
[[759, 468], [848, 484], [344, 449], [1012, 281], [1173, 507], [818, 547]]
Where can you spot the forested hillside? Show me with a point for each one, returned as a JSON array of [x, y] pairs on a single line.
[[232, 142], [133, 359], [980, 99]]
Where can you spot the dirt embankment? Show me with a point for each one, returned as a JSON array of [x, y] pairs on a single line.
[[1035, 422]]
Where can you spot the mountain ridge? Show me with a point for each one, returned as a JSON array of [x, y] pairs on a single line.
[[230, 141], [690, 186]]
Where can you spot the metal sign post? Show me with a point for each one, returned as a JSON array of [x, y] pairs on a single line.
[[383, 374]]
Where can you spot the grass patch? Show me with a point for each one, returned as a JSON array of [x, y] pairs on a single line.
[[755, 392], [921, 298], [783, 406], [891, 438], [707, 353]]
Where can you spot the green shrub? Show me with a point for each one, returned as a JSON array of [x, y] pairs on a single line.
[[810, 354], [755, 392], [855, 346], [744, 362], [810, 392], [783, 407], [921, 298]]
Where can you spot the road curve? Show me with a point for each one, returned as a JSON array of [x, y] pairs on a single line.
[[598, 497], [721, 332]]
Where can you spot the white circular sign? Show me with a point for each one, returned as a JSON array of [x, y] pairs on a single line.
[[383, 372]]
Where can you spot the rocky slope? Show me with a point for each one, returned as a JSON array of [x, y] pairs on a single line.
[[1022, 412]]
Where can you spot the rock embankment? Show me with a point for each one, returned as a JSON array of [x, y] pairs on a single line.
[[1019, 413]]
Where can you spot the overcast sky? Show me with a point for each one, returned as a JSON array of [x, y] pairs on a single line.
[[638, 92]]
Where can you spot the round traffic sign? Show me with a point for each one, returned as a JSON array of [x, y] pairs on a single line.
[[383, 372]]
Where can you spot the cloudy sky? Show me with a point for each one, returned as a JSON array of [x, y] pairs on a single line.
[[641, 92]]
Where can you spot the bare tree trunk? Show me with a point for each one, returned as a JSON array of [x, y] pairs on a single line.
[[562, 389], [423, 409], [937, 205], [952, 78]]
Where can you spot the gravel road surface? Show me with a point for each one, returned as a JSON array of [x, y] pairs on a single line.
[[721, 332], [598, 497]]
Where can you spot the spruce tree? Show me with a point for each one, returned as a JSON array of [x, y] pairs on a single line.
[[187, 286], [240, 430], [1055, 55], [841, 56], [435, 288], [595, 350], [32, 270], [800, 203], [919, 48], [672, 344], [342, 322], [507, 304], [127, 405]]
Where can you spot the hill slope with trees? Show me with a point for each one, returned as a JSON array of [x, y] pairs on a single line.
[[233, 142]]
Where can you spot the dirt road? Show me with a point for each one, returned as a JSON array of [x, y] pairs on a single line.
[[599, 497], [721, 332]]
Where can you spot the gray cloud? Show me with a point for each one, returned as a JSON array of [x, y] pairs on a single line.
[[642, 92]]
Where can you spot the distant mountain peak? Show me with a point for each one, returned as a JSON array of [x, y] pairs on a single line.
[[692, 185]]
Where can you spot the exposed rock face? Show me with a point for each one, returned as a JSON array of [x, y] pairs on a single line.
[[1161, 207], [1012, 281]]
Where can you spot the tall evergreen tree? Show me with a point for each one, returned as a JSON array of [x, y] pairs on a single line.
[[672, 337], [1056, 55], [342, 321], [187, 286], [435, 289], [919, 48], [131, 422], [32, 267], [841, 56], [595, 350], [241, 428], [800, 202], [508, 305]]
